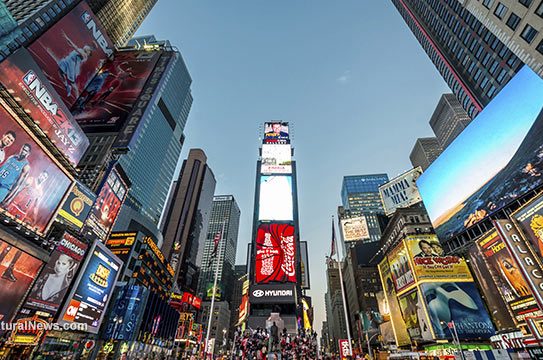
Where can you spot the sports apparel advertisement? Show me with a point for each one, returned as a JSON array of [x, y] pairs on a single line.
[[275, 254], [457, 302], [17, 271], [25, 81], [398, 325], [508, 277], [530, 220], [31, 184], [400, 269], [107, 205], [57, 276], [275, 202], [112, 93], [92, 290], [72, 51], [401, 191], [430, 262], [276, 133], [276, 159], [77, 206]]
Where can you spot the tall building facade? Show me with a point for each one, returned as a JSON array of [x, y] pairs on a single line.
[[425, 151], [335, 314], [470, 58], [518, 24], [449, 119], [187, 218]]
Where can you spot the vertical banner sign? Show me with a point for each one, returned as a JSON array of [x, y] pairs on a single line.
[[344, 348], [530, 221], [275, 254], [524, 255], [401, 271]]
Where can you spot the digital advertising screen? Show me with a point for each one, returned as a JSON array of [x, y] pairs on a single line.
[[414, 316], [58, 274], [17, 271], [276, 132], [93, 288], [276, 159], [275, 201], [32, 185], [400, 269], [497, 158], [129, 306], [457, 302], [111, 94], [355, 229], [107, 205], [430, 261], [25, 81], [77, 206], [275, 254], [401, 191], [121, 244], [72, 51], [530, 220]]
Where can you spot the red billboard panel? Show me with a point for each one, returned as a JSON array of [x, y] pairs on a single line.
[[22, 77], [275, 253], [72, 51], [31, 184], [112, 93]]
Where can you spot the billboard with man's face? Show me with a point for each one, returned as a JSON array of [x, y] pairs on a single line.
[[496, 159], [276, 132], [275, 254], [32, 185], [72, 51]]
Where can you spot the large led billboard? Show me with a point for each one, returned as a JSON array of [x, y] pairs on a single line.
[[32, 185], [92, 289], [275, 253], [276, 159], [355, 229], [276, 132], [17, 271], [496, 159], [72, 51], [400, 269], [275, 201], [24, 80], [77, 206], [530, 220], [56, 277], [112, 93], [401, 191]]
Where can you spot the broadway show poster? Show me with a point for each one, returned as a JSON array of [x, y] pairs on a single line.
[[508, 277], [430, 262], [275, 254], [112, 93], [25, 81], [57, 276], [402, 274], [457, 302], [398, 324], [414, 316], [17, 271], [530, 220], [31, 184], [77, 206], [72, 51]]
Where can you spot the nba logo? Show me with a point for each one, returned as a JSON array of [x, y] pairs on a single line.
[[86, 17], [29, 77]]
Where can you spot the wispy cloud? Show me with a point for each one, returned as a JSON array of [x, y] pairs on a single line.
[[345, 77]]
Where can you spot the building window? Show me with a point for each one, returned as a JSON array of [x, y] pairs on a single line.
[[529, 33], [500, 11], [540, 47], [513, 21], [526, 3], [502, 74], [488, 3], [539, 10]]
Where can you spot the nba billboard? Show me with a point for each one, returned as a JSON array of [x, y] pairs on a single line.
[[25, 81], [401, 191], [275, 254], [72, 51], [32, 185], [496, 159]]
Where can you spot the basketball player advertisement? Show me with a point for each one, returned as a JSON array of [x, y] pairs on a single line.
[[112, 93], [275, 254], [31, 184], [107, 205], [72, 51], [17, 271], [25, 81]]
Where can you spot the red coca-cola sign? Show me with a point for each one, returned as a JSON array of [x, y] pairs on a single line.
[[275, 254]]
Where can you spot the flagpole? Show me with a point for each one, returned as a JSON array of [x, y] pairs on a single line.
[[211, 308], [343, 293]]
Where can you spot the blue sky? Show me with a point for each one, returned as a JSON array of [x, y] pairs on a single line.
[[348, 75]]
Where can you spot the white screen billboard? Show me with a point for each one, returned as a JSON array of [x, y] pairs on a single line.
[[276, 159], [355, 229], [276, 198]]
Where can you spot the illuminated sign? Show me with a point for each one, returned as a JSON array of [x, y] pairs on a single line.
[[276, 133], [530, 220], [400, 269], [401, 191], [77, 206], [276, 199], [276, 159], [275, 253]]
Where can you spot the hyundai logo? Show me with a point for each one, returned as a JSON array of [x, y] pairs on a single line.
[[258, 293]]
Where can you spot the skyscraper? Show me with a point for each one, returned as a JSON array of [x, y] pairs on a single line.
[[187, 218], [473, 61], [425, 151], [449, 119]]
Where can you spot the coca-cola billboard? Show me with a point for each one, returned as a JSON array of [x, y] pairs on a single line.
[[275, 254]]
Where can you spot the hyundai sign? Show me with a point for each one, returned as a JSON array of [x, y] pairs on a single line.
[[273, 293]]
